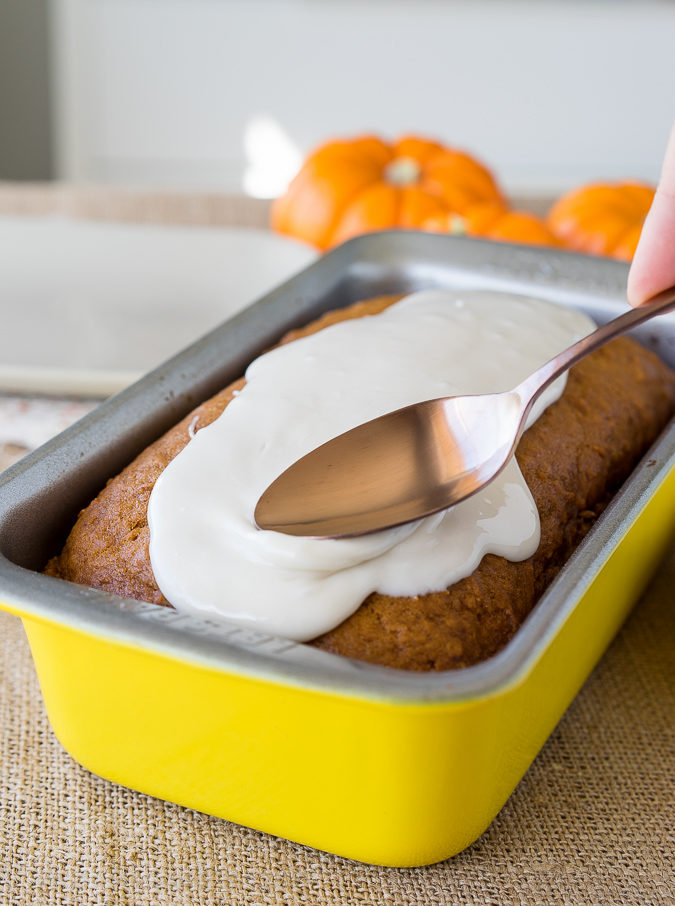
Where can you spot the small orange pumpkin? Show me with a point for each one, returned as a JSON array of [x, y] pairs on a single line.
[[602, 218], [358, 185], [495, 221]]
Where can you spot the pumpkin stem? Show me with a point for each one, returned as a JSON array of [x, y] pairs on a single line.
[[456, 225], [402, 171]]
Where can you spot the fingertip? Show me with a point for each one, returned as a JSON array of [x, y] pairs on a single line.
[[635, 292], [653, 267]]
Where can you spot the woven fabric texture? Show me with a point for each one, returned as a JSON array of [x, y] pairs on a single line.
[[132, 205]]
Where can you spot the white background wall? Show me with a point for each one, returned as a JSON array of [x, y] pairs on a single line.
[[549, 93]]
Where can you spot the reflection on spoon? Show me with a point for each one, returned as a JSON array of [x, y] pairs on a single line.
[[420, 459]]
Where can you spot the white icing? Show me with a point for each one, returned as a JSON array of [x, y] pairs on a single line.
[[208, 556]]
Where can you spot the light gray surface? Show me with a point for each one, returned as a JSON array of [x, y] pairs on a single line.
[[92, 306]]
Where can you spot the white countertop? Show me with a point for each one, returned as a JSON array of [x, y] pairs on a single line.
[[90, 306]]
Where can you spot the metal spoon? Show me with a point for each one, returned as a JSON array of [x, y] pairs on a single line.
[[420, 459]]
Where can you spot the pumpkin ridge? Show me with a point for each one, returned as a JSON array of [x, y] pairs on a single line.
[[416, 205], [419, 149], [371, 210]]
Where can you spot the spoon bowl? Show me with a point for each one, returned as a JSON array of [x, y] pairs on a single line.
[[421, 459]]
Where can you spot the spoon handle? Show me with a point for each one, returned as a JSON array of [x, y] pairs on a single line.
[[538, 381]]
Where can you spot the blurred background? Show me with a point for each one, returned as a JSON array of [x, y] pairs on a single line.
[[141, 142], [228, 95]]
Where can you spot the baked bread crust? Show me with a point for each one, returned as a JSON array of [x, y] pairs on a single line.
[[573, 458]]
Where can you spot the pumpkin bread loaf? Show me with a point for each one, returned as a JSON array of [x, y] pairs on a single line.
[[573, 458]]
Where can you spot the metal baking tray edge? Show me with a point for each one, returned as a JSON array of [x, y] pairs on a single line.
[[40, 496]]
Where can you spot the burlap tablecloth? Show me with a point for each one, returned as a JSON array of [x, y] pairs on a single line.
[[592, 822]]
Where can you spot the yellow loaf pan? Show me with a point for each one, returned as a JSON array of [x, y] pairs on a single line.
[[379, 765]]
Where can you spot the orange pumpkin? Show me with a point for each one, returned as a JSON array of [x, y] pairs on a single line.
[[495, 221], [358, 185], [602, 218]]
